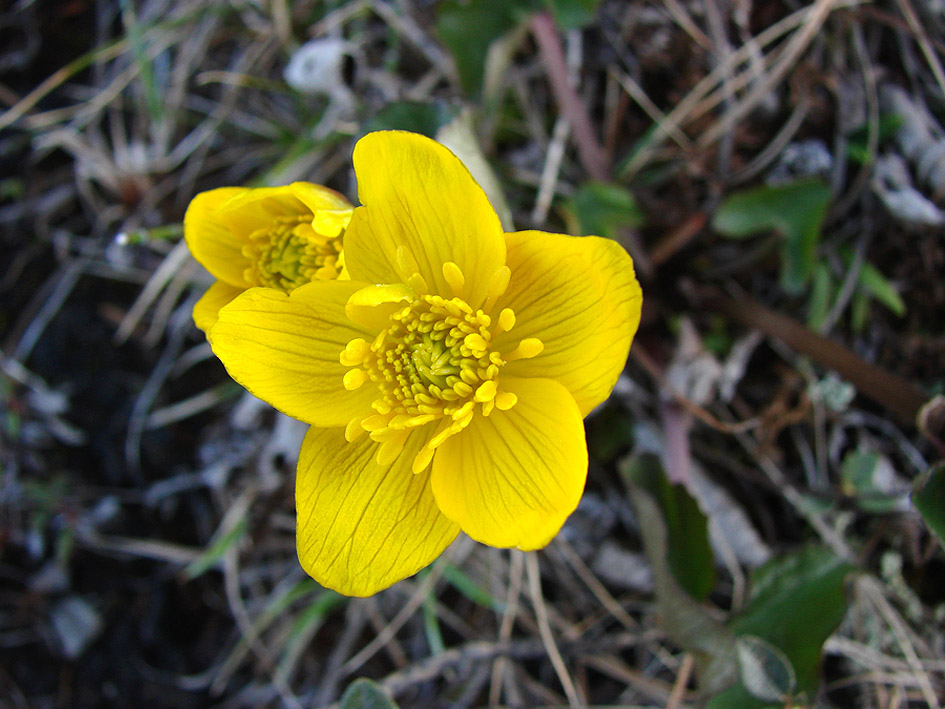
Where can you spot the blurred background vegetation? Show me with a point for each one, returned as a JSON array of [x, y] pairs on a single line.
[[763, 518]]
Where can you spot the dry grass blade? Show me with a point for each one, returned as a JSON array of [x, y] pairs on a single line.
[[547, 637]]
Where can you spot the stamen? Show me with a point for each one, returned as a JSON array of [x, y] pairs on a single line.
[[355, 352], [433, 362], [475, 342], [354, 378], [289, 253], [486, 392], [505, 400], [454, 276], [527, 348], [378, 422], [418, 285], [354, 430], [422, 460], [391, 448], [497, 286], [506, 322], [405, 262]]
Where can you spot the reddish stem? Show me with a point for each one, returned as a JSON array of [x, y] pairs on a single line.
[[591, 154]]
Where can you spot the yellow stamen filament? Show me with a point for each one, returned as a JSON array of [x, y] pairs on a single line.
[[527, 348], [497, 286], [505, 400], [417, 284], [354, 378], [405, 263], [289, 253], [435, 362], [486, 391], [506, 322], [354, 430], [454, 276], [355, 352]]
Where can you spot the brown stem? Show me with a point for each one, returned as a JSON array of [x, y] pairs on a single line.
[[901, 397], [590, 152]]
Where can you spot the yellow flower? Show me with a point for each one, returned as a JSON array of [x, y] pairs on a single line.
[[446, 382], [278, 237]]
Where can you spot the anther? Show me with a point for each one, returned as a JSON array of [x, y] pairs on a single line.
[[454, 276], [475, 342], [422, 460], [354, 378], [355, 352], [506, 322], [505, 400], [389, 450], [354, 430], [527, 348], [417, 284], [497, 286], [486, 391], [405, 262]]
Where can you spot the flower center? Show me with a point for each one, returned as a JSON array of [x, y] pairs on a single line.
[[434, 361], [289, 253]]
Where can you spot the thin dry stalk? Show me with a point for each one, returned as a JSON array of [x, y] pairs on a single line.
[[547, 637]]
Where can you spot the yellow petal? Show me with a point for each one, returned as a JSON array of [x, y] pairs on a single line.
[[259, 208], [363, 526], [511, 479], [579, 296], [207, 308], [372, 307], [210, 238], [285, 349], [331, 211], [419, 197]]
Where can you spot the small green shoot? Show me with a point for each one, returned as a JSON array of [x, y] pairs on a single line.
[[928, 496], [364, 693], [796, 210], [468, 29], [216, 550], [573, 14], [603, 209]]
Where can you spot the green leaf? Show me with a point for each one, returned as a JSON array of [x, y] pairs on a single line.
[[603, 209], [796, 210], [764, 670], [858, 141], [821, 293], [424, 117], [928, 496], [689, 553], [224, 540], [609, 433], [455, 576], [872, 281], [469, 28], [866, 475], [364, 693], [303, 629], [573, 14], [796, 602], [687, 622]]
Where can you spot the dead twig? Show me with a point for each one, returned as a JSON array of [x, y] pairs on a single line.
[[592, 155]]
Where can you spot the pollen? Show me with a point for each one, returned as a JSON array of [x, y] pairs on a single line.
[[435, 363], [288, 253]]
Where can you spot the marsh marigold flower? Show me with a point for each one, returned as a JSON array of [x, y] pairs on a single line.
[[446, 382], [277, 237]]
